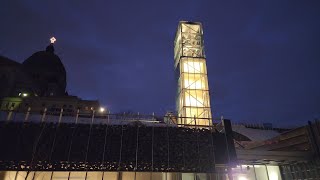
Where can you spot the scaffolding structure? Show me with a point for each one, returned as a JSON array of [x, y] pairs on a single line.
[[193, 99]]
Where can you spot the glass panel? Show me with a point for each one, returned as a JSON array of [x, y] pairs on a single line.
[[170, 176], [24, 175], [187, 176], [196, 98], [128, 175], [261, 172], [156, 176], [42, 175], [59, 175], [243, 172], [274, 173], [202, 176], [78, 175], [195, 81], [193, 65], [7, 175], [143, 175], [110, 175]]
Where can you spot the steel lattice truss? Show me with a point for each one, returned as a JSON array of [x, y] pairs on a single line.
[[84, 147]]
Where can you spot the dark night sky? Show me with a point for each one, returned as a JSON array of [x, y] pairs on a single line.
[[263, 57]]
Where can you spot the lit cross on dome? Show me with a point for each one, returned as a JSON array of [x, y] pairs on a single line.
[[52, 40]]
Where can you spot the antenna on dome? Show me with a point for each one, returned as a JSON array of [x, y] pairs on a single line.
[[52, 40], [50, 48]]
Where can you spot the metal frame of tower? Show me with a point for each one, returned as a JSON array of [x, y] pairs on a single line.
[[193, 99]]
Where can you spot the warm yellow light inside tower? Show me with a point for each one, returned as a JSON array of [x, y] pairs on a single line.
[[193, 100]]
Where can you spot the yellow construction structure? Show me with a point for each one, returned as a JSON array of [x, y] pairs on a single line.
[[193, 99]]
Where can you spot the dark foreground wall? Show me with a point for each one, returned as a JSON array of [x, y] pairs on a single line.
[[30, 146]]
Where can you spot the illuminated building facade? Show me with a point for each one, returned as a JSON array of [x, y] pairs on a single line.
[[193, 99]]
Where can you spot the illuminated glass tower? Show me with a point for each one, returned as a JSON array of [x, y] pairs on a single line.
[[193, 99]]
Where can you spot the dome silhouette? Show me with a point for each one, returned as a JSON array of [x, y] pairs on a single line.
[[48, 71]]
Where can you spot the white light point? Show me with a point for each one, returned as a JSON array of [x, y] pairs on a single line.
[[52, 40]]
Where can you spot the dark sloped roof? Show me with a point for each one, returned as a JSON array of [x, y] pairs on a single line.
[[4, 61]]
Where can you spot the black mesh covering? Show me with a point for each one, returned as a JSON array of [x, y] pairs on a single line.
[[48, 146]]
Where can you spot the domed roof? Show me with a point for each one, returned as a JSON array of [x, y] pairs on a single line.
[[47, 72], [45, 60]]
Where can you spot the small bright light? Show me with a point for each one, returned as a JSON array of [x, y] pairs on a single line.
[[242, 178], [52, 40], [102, 109], [20, 94], [24, 94]]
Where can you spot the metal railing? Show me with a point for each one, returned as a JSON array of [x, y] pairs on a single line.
[[96, 117]]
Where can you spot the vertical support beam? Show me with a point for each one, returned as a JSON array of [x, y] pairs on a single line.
[[152, 148], [102, 178], [108, 117], [183, 154], [60, 116], [119, 176], [120, 153], [16, 175], [92, 117], [88, 144], [77, 116], [168, 138], [51, 175], [10, 114], [231, 151], [69, 175], [213, 153], [104, 150], [137, 148], [44, 114], [254, 171], [34, 175], [27, 114], [267, 172], [71, 142], [198, 147]]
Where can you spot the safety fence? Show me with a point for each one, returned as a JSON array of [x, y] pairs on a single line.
[[110, 147]]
